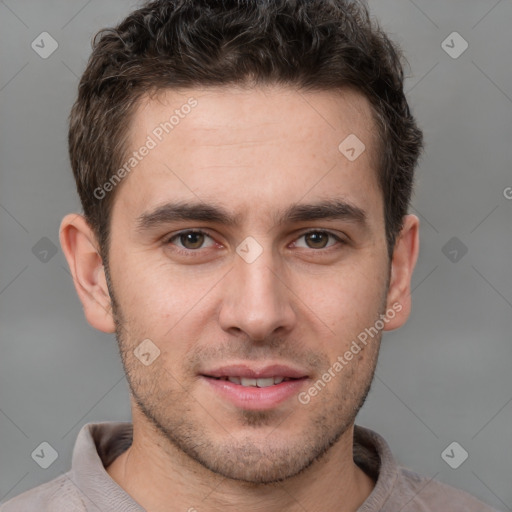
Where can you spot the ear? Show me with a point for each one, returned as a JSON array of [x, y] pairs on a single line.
[[403, 261], [80, 247]]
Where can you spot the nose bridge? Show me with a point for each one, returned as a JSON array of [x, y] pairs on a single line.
[[256, 302], [257, 281]]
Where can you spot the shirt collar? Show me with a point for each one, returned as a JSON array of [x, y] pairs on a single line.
[[98, 444]]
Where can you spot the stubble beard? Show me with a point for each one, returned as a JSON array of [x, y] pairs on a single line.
[[171, 412]]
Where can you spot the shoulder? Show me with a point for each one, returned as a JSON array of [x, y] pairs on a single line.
[[399, 488], [416, 493], [57, 495]]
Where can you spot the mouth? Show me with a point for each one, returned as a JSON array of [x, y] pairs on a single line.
[[264, 382], [255, 388]]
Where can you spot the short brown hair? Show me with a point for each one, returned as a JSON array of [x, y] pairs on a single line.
[[309, 44]]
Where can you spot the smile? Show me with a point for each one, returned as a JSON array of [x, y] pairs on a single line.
[[251, 386], [252, 382]]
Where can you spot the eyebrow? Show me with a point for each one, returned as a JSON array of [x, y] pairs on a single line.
[[333, 209]]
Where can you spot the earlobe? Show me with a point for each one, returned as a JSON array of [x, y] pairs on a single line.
[[80, 247], [404, 259]]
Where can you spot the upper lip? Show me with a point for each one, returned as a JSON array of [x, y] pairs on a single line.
[[255, 372]]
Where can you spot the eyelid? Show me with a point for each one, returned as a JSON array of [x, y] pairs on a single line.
[[168, 239], [338, 238]]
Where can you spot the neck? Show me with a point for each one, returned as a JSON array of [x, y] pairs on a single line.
[[160, 477]]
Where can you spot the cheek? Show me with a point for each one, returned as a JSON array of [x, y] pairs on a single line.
[[148, 284], [347, 299], [163, 303]]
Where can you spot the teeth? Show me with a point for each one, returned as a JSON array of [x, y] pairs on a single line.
[[260, 383], [248, 382], [263, 383]]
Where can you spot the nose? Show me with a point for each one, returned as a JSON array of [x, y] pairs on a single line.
[[256, 299]]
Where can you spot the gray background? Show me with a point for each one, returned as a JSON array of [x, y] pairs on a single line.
[[443, 377]]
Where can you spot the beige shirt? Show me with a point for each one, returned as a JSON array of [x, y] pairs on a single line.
[[87, 487]]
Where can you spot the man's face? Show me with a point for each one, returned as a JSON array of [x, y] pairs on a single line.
[[292, 299]]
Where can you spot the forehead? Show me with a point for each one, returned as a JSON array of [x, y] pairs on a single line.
[[251, 146], [228, 113]]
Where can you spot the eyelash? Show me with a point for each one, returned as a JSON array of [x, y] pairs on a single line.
[[191, 252]]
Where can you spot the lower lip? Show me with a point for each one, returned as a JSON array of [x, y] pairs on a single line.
[[253, 398]]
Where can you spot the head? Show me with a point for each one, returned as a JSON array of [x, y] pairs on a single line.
[[245, 171]]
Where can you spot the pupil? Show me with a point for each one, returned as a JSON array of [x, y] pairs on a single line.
[[320, 239], [192, 240]]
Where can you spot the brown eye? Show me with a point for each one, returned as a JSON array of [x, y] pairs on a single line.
[[192, 240], [317, 239]]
